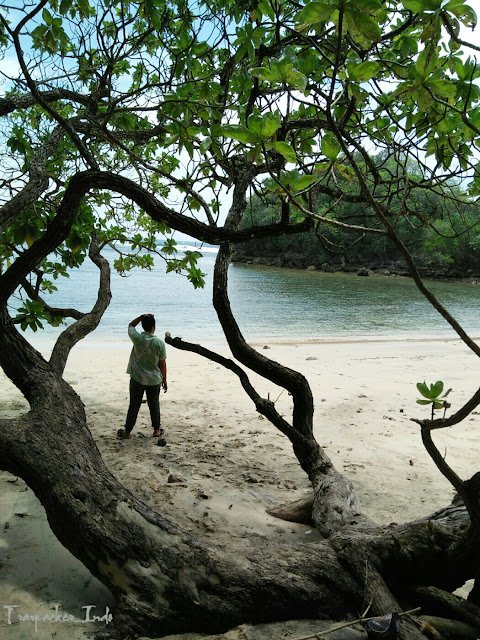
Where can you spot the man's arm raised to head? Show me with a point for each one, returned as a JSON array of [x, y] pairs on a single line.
[[134, 323]]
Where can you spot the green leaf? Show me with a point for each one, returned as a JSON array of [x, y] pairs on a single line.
[[436, 389], [417, 6], [237, 132], [362, 28], [65, 5], [286, 150], [463, 11], [265, 73], [425, 402], [266, 9], [294, 78], [300, 183], [264, 127], [443, 88], [314, 12], [330, 146], [370, 6], [47, 17], [363, 71], [423, 389], [427, 61]]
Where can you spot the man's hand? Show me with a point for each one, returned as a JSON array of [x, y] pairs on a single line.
[[165, 386], [134, 323]]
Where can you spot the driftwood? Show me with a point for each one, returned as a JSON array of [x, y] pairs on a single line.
[[333, 630]]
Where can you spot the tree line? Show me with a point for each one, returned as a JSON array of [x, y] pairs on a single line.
[[443, 235]]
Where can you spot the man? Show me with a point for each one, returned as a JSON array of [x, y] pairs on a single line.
[[147, 367]]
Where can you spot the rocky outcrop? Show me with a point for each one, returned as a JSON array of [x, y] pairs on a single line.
[[338, 264]]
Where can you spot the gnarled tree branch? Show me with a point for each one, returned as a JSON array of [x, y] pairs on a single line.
[[85, 325]]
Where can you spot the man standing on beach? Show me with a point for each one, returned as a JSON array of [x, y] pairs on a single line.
[[147, 367]]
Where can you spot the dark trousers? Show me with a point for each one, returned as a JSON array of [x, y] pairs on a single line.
[[136, 395]]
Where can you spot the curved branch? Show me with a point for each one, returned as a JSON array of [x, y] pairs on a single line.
[[63, 312], [441, 463], [455, 418], [78, 330], [13, 102], [263, 406], [291, 380], [37, 183], [109, 181], [83, 182], [336, 503]]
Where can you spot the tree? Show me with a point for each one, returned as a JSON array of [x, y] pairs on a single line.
[[120, 107], [443, 239]]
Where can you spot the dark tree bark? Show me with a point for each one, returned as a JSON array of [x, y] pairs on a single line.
[[88, 322], [162, 578]]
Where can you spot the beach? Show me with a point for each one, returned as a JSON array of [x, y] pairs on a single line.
[[224, 465]]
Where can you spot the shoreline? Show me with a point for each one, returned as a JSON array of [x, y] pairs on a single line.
[[390, 269], [93, 342]]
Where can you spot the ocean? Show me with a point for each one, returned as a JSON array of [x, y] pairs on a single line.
[[270, 303]]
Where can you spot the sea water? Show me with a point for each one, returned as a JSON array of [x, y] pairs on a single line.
[[271, 303]]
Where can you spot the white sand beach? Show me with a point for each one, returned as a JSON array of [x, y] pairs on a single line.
[[232, 463]]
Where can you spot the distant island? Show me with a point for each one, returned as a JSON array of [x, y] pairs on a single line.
[[305, 251]]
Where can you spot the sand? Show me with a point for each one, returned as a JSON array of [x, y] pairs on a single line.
[[230, 464]]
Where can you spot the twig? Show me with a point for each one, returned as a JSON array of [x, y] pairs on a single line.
[[320, 634]]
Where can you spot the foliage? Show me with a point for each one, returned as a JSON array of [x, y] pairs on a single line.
[[444, 238], [433, 395]]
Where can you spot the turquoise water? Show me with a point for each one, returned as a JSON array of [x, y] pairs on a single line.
[[273, 303]]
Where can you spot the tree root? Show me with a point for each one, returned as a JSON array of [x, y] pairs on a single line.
[[438, 601], [444, 629]]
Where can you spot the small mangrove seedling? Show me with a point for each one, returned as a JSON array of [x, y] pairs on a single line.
[[434, 395]]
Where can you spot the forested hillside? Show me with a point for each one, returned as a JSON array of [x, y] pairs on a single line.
[[443, 234]]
